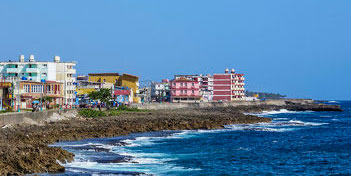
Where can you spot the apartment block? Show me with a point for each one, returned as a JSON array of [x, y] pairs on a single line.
[[41, 71], [228, 86], [205, 85], [185, 90]]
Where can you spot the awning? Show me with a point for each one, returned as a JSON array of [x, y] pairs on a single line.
[[35, 101]]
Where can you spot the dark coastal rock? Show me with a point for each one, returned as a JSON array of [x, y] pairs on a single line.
[[24, 148]]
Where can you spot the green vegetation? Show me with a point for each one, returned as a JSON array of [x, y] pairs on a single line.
[[113, 112], [48, 99], [104, 95], [5, 111], [265, 95], [132, 109], [90, 113]]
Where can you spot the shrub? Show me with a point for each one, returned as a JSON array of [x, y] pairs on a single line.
[[89, 113], [126, 108], [113, 113]]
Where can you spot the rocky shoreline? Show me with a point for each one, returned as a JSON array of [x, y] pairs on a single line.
[[24, 148]]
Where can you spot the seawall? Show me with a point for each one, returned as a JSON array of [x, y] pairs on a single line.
[[37, 118], [282, 102]]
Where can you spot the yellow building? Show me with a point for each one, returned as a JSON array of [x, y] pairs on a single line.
[[125, 80], [83, 91]]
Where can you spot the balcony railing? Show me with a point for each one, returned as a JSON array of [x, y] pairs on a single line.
[[53, 92], [13, 70], [71, 71], [32, 70]]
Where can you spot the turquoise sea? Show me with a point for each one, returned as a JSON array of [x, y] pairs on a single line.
[[294, 143]]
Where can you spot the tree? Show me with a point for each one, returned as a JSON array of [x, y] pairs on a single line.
[[47, 99], [104, 95]]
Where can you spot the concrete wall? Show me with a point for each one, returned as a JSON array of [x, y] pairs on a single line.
[[217, 104], [36, 118]]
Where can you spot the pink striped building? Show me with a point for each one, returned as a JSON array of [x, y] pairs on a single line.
[[185, 90], [228, 86]]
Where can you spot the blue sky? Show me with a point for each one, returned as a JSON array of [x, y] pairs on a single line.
[[301, 48]]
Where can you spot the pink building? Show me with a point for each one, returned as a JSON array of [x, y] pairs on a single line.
[[228, 86], [185, 90]]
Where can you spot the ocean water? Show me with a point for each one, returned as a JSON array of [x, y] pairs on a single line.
[[294, 143]]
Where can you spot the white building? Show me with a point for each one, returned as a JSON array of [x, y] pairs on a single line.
[[39, 71]]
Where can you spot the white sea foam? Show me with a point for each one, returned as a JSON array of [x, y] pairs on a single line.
[[306, 123], [268, 113], [76, 145], [280, 119]]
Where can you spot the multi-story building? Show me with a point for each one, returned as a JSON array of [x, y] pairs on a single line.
[[160, 91], [205, 84], [41, 71], [29, 91], [228, 86], [5, 95], [124, 80], [185, 90], [85, 87]]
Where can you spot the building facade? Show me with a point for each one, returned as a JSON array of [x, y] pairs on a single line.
[[124, 80], [228, 86], [29, 91], [41, 71], [185, 90], [160, 91], [205, 85]]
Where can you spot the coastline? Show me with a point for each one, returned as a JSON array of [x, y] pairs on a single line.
[[25, 149]]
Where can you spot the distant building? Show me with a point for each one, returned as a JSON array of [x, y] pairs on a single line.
[[41, 71], [123, 95], [185, 90], [5, 95], [228, 86], [160, 91], [145, 94], [124, 80], [205, 85]]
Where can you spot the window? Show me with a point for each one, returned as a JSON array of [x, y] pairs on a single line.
[[181, 84], [185, 91], [174, 84], [181, 91], [192, 91], [26, 88], [193, 84], [174, 91], [186, 84], [45, 65], [37, 88]]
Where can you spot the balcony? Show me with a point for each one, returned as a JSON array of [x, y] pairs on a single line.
[[13, 70], [32, 70], [71, 71], [53, 92]]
